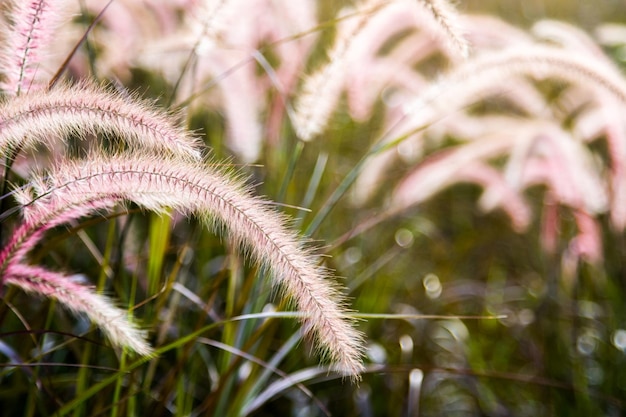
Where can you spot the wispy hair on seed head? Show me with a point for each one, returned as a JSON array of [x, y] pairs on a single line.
[[44, 116], [77, 188], [26, 40], [321, 91]]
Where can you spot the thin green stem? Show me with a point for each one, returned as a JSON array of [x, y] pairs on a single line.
[[379, 146], [313, 187], [291, 168]]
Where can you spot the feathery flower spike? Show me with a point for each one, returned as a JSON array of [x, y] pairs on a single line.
[[80, 299], [192, 187], [321, 91], [446, 18], [467, 82], [34, 22], [42, 116]]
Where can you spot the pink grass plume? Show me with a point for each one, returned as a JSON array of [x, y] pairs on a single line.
[[26, 41], [79, 188]]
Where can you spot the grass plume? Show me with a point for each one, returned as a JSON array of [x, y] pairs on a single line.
[[31, 32], [47, 115], [194, 188], [321, 91], [80, 300]]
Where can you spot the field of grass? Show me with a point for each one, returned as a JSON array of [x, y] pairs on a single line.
[[368, 208]]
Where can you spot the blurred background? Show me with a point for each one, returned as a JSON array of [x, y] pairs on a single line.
[[561, 347], [586, 14]]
